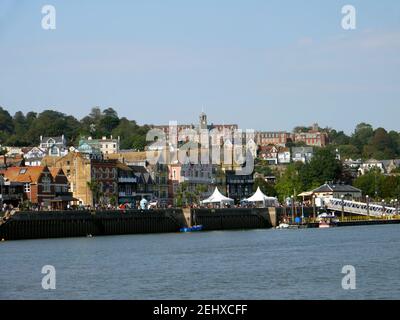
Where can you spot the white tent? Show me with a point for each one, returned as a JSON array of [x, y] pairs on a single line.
[[259, 196], [217, 197]]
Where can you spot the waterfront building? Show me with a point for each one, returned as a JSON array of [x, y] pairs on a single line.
[[145, 183], [198, 178], [302, 154], [40, 184], [11, 193], [134, 184], [127, 184], [159, 174], [337, 191], [78, 170], [104, 174], [239, 186]]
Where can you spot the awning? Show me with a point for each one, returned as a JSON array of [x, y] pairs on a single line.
[[64, 199], [305, 194]]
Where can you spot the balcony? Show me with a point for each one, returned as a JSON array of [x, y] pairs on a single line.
[[125, 194], [5, 197], [127, 180]]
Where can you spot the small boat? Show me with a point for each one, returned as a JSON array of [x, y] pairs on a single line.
[[192, 228], [283, 226], [326, 220]]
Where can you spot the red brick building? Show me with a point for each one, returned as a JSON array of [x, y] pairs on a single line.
[[41, 184]]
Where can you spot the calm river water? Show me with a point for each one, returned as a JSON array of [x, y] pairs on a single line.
[[255, 264]]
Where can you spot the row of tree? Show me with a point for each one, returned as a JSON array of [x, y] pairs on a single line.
[[26, 129], [366, 143]]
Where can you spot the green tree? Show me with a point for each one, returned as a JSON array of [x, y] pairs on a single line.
[[338, 137], [323, 167], [266, 187], [94, 187], [371, 183], [289, 183], [6, 125]]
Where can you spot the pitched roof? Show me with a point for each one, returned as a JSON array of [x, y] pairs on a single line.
[[54, 171], [302, 149], [127, 156], [49, 160], [336, 188], [123, 166], [58, 139], [24, 174]]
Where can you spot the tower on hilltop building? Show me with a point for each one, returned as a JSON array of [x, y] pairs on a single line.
[[203, 121]]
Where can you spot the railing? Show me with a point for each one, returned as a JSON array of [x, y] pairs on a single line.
[[359, 208]]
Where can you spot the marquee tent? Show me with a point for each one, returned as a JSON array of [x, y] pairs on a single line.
[[259, 196], [217, 197]]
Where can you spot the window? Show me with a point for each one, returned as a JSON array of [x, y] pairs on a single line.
[[46, 184], [54, 151], [22, 171], [27, 188]]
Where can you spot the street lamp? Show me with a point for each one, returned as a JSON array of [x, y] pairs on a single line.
[[383, 207], [314, 204], [342, 197], [367, 197], [292, 203]]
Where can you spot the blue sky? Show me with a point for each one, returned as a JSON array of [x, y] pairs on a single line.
[[267, 65]]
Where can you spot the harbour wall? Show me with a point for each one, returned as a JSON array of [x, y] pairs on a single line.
[[59, 224], [230, 219]]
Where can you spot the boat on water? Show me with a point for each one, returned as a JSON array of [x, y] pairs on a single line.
[[192, 228], [326, 220], [290, 226], [283, 226]]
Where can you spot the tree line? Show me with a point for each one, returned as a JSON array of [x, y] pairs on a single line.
[[25, 129], [366, 143]]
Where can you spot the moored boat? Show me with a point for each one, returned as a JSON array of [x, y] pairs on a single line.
[[192, 228], [326, 220]]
